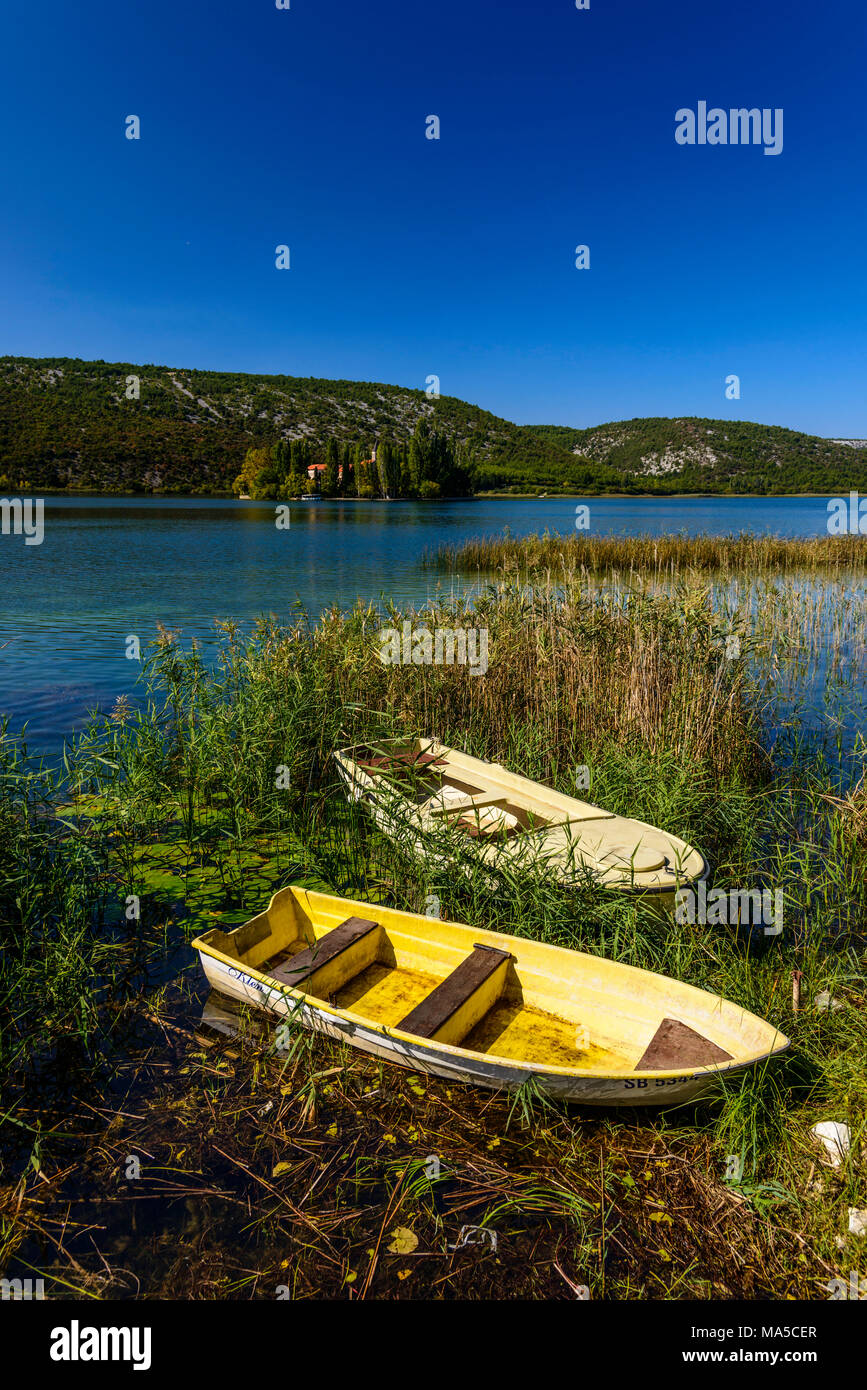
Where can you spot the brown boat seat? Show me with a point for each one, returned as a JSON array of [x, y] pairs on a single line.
[[466, 807], [472, 827], [454, 1008], [674, 1045], [348, 949], [399, 760]]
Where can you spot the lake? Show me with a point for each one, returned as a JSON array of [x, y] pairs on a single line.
[[109, 567]]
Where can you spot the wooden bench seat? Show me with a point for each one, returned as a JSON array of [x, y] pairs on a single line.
[[471, 802], [296, 970], [502, 832], [375, 761], [454, 1008]]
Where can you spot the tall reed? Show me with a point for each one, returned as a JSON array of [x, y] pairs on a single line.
[[646, 554]]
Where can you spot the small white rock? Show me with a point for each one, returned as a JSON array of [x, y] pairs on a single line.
[[835, 1138], [826, 1003], [858, 1221]]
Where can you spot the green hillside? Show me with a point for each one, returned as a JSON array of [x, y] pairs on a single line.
[[66, 423], [694, 455]]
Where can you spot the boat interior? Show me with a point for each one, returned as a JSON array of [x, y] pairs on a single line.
[[433, 981], [449, 795]]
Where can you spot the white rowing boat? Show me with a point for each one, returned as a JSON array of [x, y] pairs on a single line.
[[435, 797]]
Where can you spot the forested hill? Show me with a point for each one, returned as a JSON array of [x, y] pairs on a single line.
[[66, 423], [694, 455], [69, 423]]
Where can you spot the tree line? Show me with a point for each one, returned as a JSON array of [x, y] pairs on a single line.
[[426, 466]]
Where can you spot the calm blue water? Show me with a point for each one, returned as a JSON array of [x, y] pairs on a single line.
[[109, 567]]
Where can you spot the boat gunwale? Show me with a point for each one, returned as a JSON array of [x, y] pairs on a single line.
[[202, 945]]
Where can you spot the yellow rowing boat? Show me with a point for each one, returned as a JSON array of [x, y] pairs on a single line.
[[434, 797], [483, 1007]]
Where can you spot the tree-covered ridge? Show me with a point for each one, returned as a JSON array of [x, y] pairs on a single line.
[[70, 423], [67, 423], [696, 455]]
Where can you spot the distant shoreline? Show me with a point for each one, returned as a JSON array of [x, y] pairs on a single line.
[[476, 497]]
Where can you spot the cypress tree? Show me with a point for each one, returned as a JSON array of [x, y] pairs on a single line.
[[332, 465]]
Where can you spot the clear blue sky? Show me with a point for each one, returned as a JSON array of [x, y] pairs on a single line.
[[456, 257]]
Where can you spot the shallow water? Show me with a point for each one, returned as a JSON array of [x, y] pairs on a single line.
[[113, 567]]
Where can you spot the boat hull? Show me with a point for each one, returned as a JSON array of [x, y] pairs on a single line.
[[498, 1075], [565, 974]]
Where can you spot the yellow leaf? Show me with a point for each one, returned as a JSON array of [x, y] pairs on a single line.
[[351, 1277], [389, 1138], [403, 1242], [280, 1168], [404, 1273], [331, 1131]]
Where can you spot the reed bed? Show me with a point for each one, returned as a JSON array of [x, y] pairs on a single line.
[[566, 674], [852, 810], [646, 555]]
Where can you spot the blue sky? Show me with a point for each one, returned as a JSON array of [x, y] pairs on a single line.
[[412, 257]]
